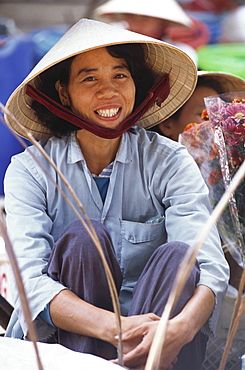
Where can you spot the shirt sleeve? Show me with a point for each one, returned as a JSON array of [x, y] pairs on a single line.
[[45, 315], [29, 227], [185, 198]]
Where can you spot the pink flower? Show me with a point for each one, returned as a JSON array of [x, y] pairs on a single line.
[[233, 122], [219, 157], [234, 110]]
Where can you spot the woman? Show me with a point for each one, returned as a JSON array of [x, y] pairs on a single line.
[[208, 84], [144, 194]]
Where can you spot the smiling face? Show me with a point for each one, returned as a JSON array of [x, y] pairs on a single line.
[[100, 88]]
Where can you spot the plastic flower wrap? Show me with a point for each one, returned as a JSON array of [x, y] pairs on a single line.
[[218, 147]]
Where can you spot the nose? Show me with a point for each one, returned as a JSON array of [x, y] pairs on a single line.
[[107, 89]]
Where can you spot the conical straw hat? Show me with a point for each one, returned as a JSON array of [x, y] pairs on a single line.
[[168, 10], [227, 81], [87, 35]]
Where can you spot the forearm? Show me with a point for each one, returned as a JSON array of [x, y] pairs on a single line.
[[70, 313], [196, 312]]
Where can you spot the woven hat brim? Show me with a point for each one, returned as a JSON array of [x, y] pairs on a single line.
[[161, 58], [227, 81], [171, 11]]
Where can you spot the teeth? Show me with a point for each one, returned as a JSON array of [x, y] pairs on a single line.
[[107, 112]]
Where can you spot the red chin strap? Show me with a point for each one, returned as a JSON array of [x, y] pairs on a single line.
[[158, 93]]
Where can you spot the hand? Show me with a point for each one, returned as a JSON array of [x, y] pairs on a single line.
[[129, 323], [180, 331], [143, 335]]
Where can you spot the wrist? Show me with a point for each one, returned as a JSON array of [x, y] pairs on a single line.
[[109, 329], [186, 328]]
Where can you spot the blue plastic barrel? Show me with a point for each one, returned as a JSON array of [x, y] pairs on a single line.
[[16, 61]]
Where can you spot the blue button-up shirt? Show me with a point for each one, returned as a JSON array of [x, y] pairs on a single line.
[[156, 194]]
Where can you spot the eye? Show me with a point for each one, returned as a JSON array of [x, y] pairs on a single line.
[[89, 78], [120, 75]]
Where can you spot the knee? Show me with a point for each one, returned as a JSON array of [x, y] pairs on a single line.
[[76, 230], [174, 248], [76, 239], [76, 250], [173, 253]]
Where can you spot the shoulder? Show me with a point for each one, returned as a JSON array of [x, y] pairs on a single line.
[[46, 147], [162, 156], [33, 161], [155, 145]]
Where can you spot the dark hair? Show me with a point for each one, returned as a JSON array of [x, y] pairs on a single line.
[[204, 81], [207, 81], [134, 56]]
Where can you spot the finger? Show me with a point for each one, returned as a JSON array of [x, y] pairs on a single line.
[[133, 333], [137, 356], [175, 360], [163, 366], [155, 317]]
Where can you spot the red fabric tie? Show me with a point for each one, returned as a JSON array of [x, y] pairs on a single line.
[[158, 93]]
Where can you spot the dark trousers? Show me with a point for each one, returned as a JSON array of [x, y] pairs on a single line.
[[76, 263]]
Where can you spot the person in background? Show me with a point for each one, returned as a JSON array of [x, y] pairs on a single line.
[[209, 83], [211, 13], [153, 19], [89, 101]]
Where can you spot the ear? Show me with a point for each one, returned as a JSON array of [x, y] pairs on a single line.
[[166, 127], [62, 91]]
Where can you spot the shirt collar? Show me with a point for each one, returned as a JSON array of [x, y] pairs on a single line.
[[124, 153], [74, 151]]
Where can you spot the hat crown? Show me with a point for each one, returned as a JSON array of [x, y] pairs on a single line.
[[227, 81], [168, 10]]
